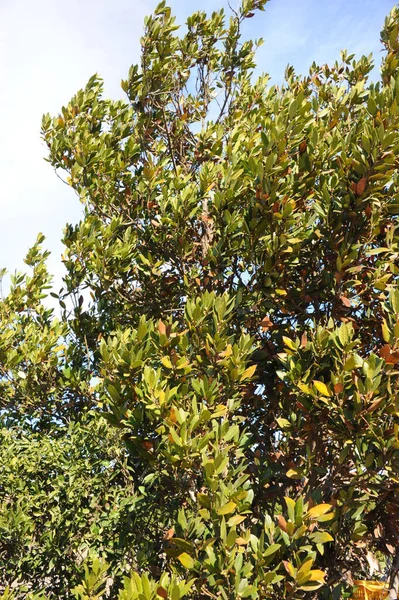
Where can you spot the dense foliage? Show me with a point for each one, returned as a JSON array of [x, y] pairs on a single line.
[[216, 412]]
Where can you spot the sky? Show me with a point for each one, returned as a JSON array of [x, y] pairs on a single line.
[[50, 48]]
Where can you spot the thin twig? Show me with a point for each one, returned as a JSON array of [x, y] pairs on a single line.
[[169, 141]]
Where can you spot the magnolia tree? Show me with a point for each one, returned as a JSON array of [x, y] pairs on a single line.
[[231, 308]]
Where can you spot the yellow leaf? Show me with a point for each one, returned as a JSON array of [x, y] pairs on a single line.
[[289, 343], [182, 363], [319, 510], [227, 508], [220, 411], [186, 560], [304, 569], [290, 503], [289, 567], [375, 586], [228, 352], [294, 473], [165, 360], [316, 575], [248, 373], [58, 348], [235, 520], [304, 388], [326, 517], [386, 334], [321, 387]]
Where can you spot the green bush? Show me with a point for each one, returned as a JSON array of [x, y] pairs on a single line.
[[64, 495]]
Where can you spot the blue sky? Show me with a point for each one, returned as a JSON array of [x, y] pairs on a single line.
[[49, 48]]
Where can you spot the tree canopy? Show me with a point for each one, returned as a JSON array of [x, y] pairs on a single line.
[[215, 412]]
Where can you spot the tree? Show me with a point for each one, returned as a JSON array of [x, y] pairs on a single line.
[[239, 247]]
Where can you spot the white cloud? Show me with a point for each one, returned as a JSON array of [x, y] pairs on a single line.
[[48, 50]]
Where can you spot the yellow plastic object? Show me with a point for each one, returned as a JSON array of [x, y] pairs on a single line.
[[370, 590]]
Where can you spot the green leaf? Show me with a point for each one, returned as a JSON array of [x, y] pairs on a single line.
[[345, 333], [272, 549], [394, 298], [186, 560], [354, 362], [321, 537], [290, 507], [235, 520]]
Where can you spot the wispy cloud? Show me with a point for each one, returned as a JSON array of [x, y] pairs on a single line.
[[299, 33]]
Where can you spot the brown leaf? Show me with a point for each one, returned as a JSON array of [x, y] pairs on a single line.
[[304, 339], [345, 301], [373, 406], [241, 541], [282, 523], [338, 388], [390, 357], [266, 323], [169, 534], [162, 592], [378, 531], [338, 276], [302, 147], [161, 328], [172, 415], [361, 186]]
